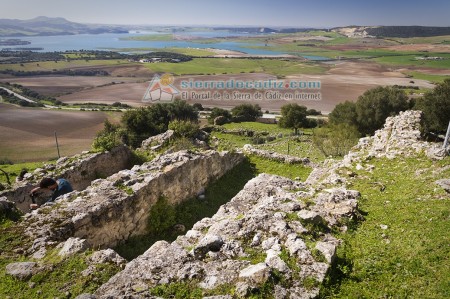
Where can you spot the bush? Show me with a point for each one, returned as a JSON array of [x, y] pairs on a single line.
[[142, 123], [216, 112], [184, 129], [335, 140], [108, 138], [436, 108]]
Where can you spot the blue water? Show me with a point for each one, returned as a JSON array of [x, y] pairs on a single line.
[[115, 41]]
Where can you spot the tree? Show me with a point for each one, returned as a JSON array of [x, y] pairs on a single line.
[[152, 120], [436, 108], [216, 112], [184, 128], [377, 104], [344, 113], [294, 116], [369, 113], [108, 138], [198, 106], [246, 112]]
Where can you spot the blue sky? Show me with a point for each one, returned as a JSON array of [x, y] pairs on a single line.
[[299, 13]]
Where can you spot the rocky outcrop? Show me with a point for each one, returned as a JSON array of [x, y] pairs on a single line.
[[157, 141], [275, 156], [80, 170], [112, 210], [264, 231], [400, 136]]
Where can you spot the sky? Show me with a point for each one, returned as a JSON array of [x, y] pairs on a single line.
[[283, 13]]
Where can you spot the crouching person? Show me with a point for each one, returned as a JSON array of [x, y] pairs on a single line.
[[58, 187]]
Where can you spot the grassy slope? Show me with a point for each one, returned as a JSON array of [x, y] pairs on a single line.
[[13, 170], [409, 259]]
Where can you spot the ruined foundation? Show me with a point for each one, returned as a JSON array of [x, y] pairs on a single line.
[[114, 209], [79, 170]]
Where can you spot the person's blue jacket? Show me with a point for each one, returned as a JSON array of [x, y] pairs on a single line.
[[63, 188]]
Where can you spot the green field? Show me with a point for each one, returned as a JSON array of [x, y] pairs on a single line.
[[444, 39], [53, 65], [299, 146], [410, 60], [186, 51], [203, 66], [428, 77]]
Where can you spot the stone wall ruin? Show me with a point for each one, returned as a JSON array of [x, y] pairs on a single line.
[[80, 170], [112, 210]]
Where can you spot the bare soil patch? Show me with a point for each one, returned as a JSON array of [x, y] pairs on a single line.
[[422, 47], [345, 81], [59, 85], [27, 134]]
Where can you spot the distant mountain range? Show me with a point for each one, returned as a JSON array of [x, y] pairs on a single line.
[[44, 26]]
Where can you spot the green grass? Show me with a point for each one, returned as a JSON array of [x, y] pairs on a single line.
[[445, 39], [14, 170], [410, 259], [410, 60], [186, 51], [428, 77], [299, 146], [291, 171], [203, 66], [52, 65], [191, 211]]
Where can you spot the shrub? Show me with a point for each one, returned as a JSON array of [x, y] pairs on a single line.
[[335, 140], [436, 108], [184, 128], [216, 112], [108, 138]]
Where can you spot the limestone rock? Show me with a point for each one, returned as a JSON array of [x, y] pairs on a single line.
[[208, 243], [21, 270], [445, 184], [73, 246], [328, 250], [113, 209], [157, 140], [107, 256], [7, 207], [310, 216], [275, 156], [80, 170], [255, 274]]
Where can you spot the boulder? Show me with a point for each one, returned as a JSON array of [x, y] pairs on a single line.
[[22, 270], [73, 246], [445, 184], [255, 274]]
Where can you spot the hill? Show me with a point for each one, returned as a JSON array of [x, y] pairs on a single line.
[[392, 31], [44, 26]]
